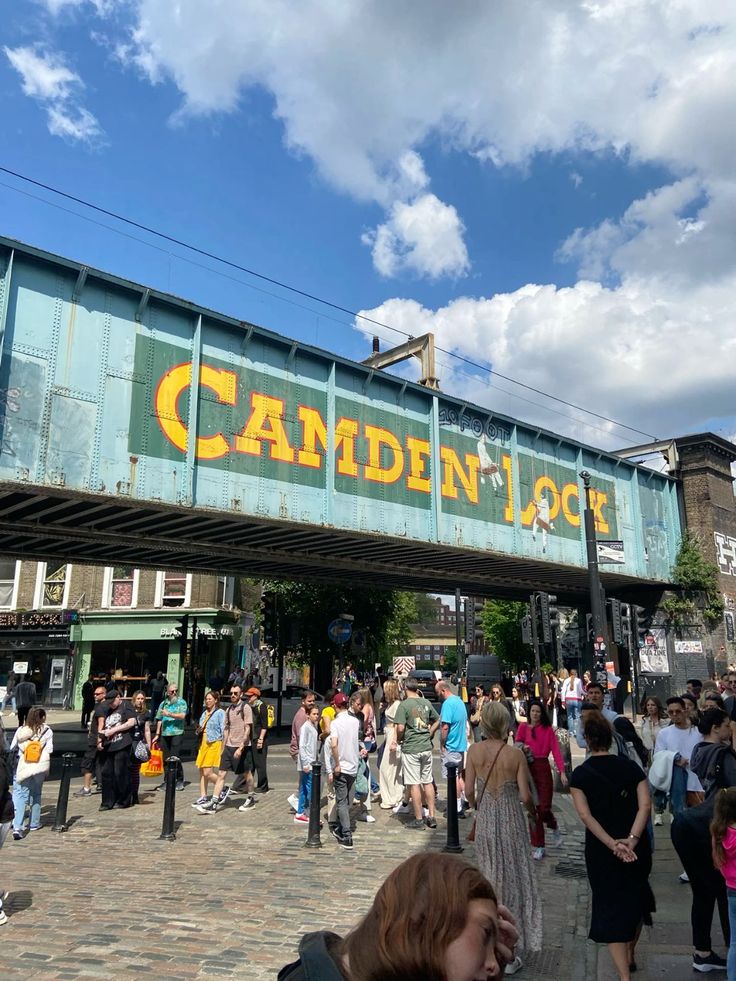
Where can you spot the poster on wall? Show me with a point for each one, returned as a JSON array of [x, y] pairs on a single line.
[[653, 658], [688, 647]]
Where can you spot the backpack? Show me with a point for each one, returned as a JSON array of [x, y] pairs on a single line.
[[32, 752], [715, 775], [635, 748], [271, 716]]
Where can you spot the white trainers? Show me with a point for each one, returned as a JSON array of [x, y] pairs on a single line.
[[657, 820], [293, 801], [3, 917], [515, 965], [536, 854], [401, 808], [684, 877], [367, 818]]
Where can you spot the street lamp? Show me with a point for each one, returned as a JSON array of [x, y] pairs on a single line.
[[597, 600]]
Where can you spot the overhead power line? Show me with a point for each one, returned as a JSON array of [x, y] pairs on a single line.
[[309, 296]]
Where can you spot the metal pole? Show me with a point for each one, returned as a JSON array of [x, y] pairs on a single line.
[[60, 822], [596, 658], [453, 834], [458, 633], [313, 838], [167, 826], [539, 688]]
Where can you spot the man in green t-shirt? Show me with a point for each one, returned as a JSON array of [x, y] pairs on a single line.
[[416, 723]]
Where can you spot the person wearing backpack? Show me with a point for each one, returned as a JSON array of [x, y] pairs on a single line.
[[260, 738], [35, 744]]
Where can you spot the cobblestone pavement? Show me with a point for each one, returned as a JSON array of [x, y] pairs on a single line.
[[233, 894]]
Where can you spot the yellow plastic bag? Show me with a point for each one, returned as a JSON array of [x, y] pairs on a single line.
[[155, 766]]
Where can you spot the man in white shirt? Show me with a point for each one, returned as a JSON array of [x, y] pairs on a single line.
[[344, 736], [681, 737]]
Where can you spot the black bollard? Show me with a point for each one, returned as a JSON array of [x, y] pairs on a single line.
[[453, 834], [60, 822], [167, 827], [313, 838]]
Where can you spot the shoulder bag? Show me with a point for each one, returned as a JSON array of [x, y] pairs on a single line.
[[471, 833]]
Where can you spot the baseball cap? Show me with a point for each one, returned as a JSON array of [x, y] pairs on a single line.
[[253, 691], [340, 700], [112, 695]]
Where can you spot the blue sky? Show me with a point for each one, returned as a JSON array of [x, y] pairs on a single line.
[[551, 200]]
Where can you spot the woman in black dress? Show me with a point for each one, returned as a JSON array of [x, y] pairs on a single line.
[[611, 796]]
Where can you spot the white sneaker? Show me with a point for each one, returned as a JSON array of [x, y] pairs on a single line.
[[401, 808], [515, 965], [657, 820], [3, 918], [425, 812], [367, 818], [684, 877], [293, 801], [536, 854], [556, 837]]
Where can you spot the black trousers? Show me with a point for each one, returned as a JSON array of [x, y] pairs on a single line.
[[23, 714], [171, 746], [116, 778], [260, 758], [707, 884], [87, 711]]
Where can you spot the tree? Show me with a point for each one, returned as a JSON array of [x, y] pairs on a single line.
[[501, 621], [699, 594], [306, 609]]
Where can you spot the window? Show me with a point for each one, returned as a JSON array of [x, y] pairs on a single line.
[[225, 591], [173, 589], [120, 587], [122, 583], [9, 570], [52, 585]]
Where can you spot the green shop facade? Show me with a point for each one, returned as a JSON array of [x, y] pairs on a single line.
[[133, 646]]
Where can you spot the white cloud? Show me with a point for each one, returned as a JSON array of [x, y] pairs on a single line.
[[659, 360], [46, 77], [424, 236]]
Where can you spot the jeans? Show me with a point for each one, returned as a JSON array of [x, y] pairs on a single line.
[[573, 714], [305, 792], [27, 792], [171, 746], [343, 783], [731, 969], [678, 790]]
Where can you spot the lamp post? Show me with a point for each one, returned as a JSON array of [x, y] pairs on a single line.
[[596, 658]]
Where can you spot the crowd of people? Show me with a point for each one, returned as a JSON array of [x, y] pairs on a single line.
[[677, 760]]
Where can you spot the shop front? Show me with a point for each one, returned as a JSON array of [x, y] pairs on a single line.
[[131, 649], [38, 645]]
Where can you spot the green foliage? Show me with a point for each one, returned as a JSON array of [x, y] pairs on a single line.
[[426, 610], [501, 620], [699, 593], [306, 610]]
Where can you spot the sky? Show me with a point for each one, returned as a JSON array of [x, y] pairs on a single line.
[[549, 186]]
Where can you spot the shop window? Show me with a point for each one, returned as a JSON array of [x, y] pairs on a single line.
[[120, 587], [9, 575], [173, 589], [52, 584]]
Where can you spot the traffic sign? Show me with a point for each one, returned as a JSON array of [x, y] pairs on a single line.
[[340, 631]]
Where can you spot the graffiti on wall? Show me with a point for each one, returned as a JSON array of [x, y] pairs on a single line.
[[726, 554]]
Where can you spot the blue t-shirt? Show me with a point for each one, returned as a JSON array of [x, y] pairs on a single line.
[[454, 714]]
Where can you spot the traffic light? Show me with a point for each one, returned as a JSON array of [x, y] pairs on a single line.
[[617, 628], [468, 620], [269, 615], [478, 635], [550, 615], [641, 621], [183, 627], [526, 629]]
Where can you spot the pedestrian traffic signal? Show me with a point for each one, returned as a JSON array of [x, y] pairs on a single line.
[[642, 622], [617, 628], [478, 634], [269, 618], [468, 620], [526, 630], [550, 615]]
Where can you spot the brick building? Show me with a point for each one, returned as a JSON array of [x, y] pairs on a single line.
[[63, 621]]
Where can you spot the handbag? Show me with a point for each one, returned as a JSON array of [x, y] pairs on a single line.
[[141, 751], [471, 833]]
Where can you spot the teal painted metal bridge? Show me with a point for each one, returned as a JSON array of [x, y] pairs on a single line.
[[139, 428]]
